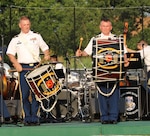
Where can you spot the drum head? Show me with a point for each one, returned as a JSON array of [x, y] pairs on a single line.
[[38, 71]]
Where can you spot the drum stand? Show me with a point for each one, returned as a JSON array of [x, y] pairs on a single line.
[[84, 106], [69, 103]]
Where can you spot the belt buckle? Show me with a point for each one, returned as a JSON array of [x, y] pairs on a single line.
[[31, 64]]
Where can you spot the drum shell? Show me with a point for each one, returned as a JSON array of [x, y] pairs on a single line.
[[108, 60]]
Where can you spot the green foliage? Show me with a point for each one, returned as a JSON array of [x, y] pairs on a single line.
[[63, 22]]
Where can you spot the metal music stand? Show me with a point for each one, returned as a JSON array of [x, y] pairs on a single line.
[[135, 61], [69, 104], [59, 73]]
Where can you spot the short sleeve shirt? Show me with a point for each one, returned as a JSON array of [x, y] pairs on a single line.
[[88, 49], [27, 47]]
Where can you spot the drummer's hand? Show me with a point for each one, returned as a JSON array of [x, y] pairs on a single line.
[[78, 53], [18, 67], [126, 61], [47, 57]]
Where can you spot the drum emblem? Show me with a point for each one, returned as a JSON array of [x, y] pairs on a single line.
[[108, 58], [49, 83]]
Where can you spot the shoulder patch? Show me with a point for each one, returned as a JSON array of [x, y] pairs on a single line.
[[15, 36], [97, 36], [36, 32]]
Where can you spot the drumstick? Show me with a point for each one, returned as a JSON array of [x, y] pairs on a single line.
[[81, 39], [14, 70], [125, 32], [39, 63]]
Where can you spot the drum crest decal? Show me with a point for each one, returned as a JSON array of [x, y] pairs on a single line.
[[49, 93], [49, 83], [109, 58]]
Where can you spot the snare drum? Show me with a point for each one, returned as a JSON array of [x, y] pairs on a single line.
[[108, 60], [43, 82]]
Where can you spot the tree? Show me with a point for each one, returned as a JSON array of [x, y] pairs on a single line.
[[62, 23]]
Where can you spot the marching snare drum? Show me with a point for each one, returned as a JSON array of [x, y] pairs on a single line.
[[44, 83], [108, 59]]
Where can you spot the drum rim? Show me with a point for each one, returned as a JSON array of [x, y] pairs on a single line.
[[42, 68]]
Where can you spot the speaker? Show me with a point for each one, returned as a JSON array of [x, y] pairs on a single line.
[[133, 103], [14, 107]]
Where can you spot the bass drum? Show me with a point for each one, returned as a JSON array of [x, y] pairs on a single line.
[[60, 110]]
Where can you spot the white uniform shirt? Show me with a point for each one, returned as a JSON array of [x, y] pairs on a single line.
[[145, 54], [89, 47], [27, 47]]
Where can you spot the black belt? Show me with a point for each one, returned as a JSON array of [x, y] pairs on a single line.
[[30, 64]]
